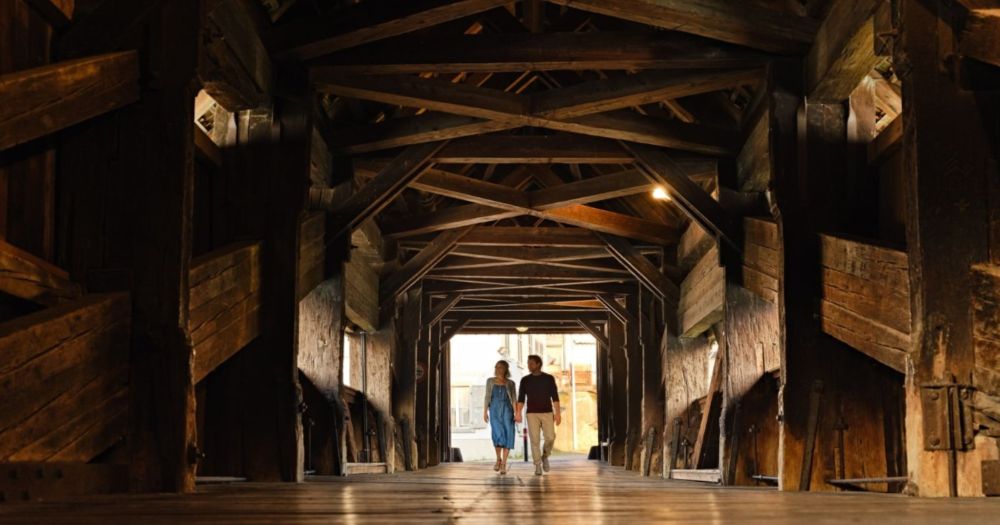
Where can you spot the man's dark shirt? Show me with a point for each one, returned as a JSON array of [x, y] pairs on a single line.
[[540, 390]]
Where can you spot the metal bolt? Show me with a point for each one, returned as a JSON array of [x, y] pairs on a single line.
[[935, 441], [934, 396]]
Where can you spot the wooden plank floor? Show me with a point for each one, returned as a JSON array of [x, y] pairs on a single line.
[[576, 491]]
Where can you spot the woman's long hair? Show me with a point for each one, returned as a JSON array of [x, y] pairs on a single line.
[[506, 368]]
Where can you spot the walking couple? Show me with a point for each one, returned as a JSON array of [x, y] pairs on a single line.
[[504, 405]]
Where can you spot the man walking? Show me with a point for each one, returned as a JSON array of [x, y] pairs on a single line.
[[543, 410]]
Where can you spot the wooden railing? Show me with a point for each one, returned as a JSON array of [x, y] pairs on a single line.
[[224, 304], [64, 380], [866, 298]]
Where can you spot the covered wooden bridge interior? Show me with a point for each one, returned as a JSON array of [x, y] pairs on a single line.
[[779, 219]]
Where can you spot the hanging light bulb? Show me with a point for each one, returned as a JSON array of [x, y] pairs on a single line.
[[521, 329], [659, 193]]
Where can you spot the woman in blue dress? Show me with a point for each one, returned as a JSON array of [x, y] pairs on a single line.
[[498, 410]]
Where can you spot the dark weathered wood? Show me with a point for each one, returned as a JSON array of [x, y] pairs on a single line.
[[698, 204], [621, 92], [46, 99], [596, 333], [58, 13], [385, 187], [420, 264], [524, 237], [866, 298], [843, 52], [225, 304], [745, 23], [442, 308], [553, 149], [641, 268], [707, 429], [58, 364], [28, 277], [761, 263], [979, 39], [500, 106], [548, 51], [594, 189], [235, 68], [311, 37], [702, 296]]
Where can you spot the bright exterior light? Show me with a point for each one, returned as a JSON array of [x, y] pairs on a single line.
[[661, 194], [522, 329]]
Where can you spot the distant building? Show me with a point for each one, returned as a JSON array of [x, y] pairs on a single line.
[[569, 358]]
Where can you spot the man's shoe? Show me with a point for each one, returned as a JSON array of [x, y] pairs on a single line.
[[545, 464], [538, 469]]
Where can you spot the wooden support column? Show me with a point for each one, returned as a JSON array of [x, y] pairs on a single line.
[[634, 351], [618, 392], [160, 164], [944, 140], [434, 373], [653, 400], [422, 426], [404, 388]]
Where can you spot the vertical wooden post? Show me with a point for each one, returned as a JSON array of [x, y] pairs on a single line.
[[157, 150], [404, 391], [422, 427], [944, 151], [653, 400], [618, 392], [634, 349], [434, 425]]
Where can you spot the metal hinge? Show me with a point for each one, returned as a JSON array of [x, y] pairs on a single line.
[[947, 418]]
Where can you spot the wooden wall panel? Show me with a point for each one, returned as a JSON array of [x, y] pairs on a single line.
[[986, 328], [702, 295], [694, 244], [753, 163], [63, 388], [225, 304], [761, 257], [28, 277], [866, 298], [312, 252], [686, 371], [752, 357]]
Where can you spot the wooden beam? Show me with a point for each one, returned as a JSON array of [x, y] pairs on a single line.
[[616, 309], [385, 187], [520, 236], [34, 279], [514, 110], [46, 99], [442, 308], [981, 38], [565, 103], [453, 329], [747, 24], [568, 316], [844, 51], [696, 203], [626, 91], [552, 149], [524, 271], [406, 131], [594, 189], [311, 37], [594, 332], [58, 13], [420, 264], [639, 266], [709, 410], [235, 68], [491, 53]]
